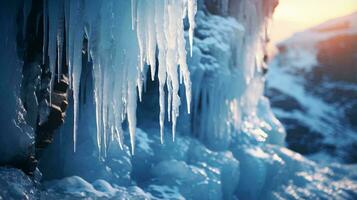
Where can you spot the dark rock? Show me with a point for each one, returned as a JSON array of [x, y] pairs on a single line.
[[350, 155], [42, 116], [278, 99], [55, 119], [351, 114], [301, 138], [61, 86], [60, 100], [217, 7]]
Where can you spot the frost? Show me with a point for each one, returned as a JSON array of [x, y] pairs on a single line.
[[120, 45]]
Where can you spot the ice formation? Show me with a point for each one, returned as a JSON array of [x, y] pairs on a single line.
[[229, 147], [121, 44], [228, 87], [12, 118]]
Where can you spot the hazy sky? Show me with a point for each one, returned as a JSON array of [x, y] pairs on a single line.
[[296, 15]]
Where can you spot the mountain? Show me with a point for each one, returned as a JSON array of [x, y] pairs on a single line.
[[312, 85]]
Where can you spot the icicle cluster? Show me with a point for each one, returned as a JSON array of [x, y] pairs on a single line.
[[123, 37]]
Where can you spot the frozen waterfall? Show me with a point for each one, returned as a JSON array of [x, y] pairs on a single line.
[[84, 83], [121, 44]]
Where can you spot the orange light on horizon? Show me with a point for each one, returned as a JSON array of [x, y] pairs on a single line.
[[296, 15]]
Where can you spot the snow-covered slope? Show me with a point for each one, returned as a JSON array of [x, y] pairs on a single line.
[[312, 84], [230, 146]]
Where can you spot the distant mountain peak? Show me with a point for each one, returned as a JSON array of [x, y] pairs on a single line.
[[345, 25]]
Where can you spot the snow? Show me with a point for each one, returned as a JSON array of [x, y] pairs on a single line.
[[165, 192], [289, 74], [317, 114], [15, 184], [144, 142], [290, 84], [76, 187]]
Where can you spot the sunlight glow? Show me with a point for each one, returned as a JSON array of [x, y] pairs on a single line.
[[296, 15]]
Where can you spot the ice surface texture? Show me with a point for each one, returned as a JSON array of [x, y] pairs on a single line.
[[16, 137]]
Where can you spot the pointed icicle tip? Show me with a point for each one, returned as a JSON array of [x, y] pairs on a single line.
[[161, 135]]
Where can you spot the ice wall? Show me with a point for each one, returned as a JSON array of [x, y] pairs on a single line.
[[16, 137], [228, 73]]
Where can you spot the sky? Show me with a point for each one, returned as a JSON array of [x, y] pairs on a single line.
[[297, 15]]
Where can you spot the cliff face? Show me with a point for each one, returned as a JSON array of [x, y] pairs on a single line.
[[80, 70], [26, 87], [321, 64], [17, 137]]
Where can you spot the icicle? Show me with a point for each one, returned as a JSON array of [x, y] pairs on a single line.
[[60, 40], [97, 97], [151, 43], [45, 30], [77, 70], [161, 44], [184, 72], [132, 112], [140, 85], [66, 23], [133, 14], [120, 56], [173, 9], [77, 66], [169, 99], [105, 102], [52, 40], [141, 34], [192, 10]]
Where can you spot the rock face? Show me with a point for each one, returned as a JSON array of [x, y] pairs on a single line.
[[17, 137], [320, 66], [45, 102]]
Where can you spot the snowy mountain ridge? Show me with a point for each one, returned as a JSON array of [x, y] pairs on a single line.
[[310, 82], [342, 25]]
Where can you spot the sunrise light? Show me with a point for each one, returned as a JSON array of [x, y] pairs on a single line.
[[296, 15]]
